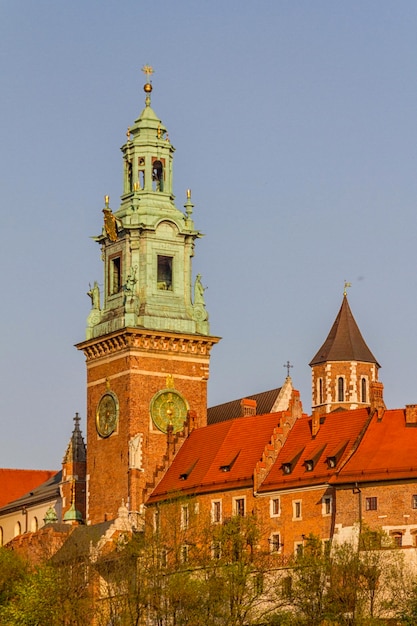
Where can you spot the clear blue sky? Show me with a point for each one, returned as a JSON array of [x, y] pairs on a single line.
[[295, 125]]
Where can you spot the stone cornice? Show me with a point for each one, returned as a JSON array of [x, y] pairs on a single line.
[[148, 341]]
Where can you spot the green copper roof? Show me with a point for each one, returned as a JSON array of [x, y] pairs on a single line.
[[73, 515]]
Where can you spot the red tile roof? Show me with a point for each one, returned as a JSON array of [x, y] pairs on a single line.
[[217, 457], [336, 437], [344, 341], [17, 482], [388, 451]]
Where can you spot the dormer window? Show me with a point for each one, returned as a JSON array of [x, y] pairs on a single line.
[[286, 468], [331, 462], [226, 467], [311, 461]]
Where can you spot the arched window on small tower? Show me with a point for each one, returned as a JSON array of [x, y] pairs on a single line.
[[363, 390], [340, 389], [129, 175], [320, 391], [17, 529], [141, 172], [157, 176]]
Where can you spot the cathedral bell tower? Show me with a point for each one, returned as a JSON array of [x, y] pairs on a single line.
[[147, 342]]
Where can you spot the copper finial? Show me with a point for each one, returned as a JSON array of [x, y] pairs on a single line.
[[345, 287], [148, 71]]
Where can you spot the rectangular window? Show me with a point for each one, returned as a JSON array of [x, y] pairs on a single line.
[[296, 509], [216, 550], [371, 504], [298, 548], [164, 558], [184, 553], [275, 542], [185, 517], [115, 275], [326, 506], [216, 511], [398, 539], [414, 501], [274, 507], [156, 520], [164, 273], [240, 506]]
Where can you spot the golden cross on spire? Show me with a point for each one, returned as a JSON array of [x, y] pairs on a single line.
[[148, 71], [345, 287]]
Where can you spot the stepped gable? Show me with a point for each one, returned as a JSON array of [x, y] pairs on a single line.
[[233, 409], [386, 452], [344, 341], [332, 444], [220, 456], [15, 483]]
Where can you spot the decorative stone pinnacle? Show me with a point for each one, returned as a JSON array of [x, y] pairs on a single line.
[[188, 205]]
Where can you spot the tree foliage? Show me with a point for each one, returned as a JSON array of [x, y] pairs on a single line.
[[222, 578]]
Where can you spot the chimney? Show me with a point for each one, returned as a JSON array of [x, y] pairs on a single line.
[[315, 423], [247, 407], [376, 396], [411, 414], [190, 423]]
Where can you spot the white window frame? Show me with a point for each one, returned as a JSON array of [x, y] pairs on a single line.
[[272, 502], [235, 501], [324, 501], [185, 517], [275, 547], [185, 548], [297, 504], [298, 548], [215, 510], [216, 550]]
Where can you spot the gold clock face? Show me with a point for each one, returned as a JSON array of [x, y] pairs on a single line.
[[107, 414], [169, 407]]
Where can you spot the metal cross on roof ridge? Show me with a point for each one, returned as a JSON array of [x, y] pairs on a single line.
[[288, 366]]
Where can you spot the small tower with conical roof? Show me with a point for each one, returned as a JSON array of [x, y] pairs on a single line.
[[344, 370]]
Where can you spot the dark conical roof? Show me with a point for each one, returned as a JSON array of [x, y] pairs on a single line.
[[344, 341]]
